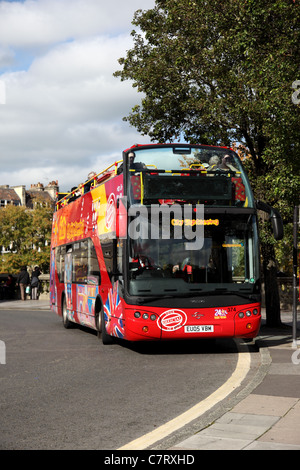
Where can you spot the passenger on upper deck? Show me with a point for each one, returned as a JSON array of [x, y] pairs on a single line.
[[131, 164], [75, 194], [213, 163], [89, 181], [135, 165], [227, 164]]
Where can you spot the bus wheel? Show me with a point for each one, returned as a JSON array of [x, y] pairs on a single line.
[[98, 316], [106, 339], [66, 322]]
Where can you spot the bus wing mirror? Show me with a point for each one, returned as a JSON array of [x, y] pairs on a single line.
[[121, 219], [277, 224], [275, 217]]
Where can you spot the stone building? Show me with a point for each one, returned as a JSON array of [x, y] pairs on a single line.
[[37, 194]]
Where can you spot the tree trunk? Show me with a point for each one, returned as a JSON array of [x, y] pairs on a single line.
[[272, 298]]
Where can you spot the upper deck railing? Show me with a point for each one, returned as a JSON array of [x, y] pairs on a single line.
[[91, 183]]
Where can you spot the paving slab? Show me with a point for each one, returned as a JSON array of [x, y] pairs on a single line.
[[199, 442], [240, 426], [265, 405], [258, 445], [287, 429]]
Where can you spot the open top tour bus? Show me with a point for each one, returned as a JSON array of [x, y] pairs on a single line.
[[161, 245]]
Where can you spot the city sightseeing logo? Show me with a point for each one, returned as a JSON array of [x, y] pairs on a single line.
[[172, 320]]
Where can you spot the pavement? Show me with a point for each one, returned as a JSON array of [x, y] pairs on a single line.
[[267, 418], [41, 304]]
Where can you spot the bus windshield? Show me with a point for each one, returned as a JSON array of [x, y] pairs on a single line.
[[227, 262], [206, 175]]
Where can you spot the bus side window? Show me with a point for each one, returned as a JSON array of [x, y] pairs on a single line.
[[80, 262], [94, 276], [57, 261], [60, 252], [107, 248], [120, 243]]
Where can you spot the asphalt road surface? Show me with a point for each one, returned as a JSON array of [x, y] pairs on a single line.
[[63, 389]]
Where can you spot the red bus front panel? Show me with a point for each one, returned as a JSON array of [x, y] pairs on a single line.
[[146, 323]]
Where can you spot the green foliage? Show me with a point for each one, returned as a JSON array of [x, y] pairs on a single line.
[[214, 71], [218, 72], [26, 236]]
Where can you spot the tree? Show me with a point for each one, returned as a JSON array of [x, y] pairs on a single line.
[[217, 72], [41, 235], [16, 226], [25, 236]]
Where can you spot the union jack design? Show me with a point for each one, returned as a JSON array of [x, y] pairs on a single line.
[[113, 315]]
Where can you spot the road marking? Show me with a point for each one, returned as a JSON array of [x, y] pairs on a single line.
[[234, 381]]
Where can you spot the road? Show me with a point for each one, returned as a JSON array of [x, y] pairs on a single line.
[[63, 389]]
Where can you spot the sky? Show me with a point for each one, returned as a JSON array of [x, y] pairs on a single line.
[[61, 109]]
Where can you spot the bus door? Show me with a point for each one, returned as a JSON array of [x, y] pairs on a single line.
[[68, 278]]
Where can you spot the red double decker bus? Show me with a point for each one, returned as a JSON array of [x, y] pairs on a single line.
[[162, 245]]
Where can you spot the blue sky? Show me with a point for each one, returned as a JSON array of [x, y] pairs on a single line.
[[63, 109]]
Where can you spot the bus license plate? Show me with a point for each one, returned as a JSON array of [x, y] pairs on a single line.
[[199, 329]]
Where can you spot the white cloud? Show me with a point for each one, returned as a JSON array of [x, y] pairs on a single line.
[[63, 112], [40, 22], [6, 56]]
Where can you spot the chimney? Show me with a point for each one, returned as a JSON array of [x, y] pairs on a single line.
[[20, 190], [52, 189]]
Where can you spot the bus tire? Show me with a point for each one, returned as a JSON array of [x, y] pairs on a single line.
[[66, 322], [106, 338], [98, 316]]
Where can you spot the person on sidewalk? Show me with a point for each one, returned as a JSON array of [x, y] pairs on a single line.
[[35, 283], [8, 287], [23, 280]]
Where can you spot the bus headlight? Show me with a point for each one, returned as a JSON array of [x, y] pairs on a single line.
[[241, 315]]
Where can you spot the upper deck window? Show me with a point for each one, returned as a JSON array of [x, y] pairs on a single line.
[[207, 175]]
